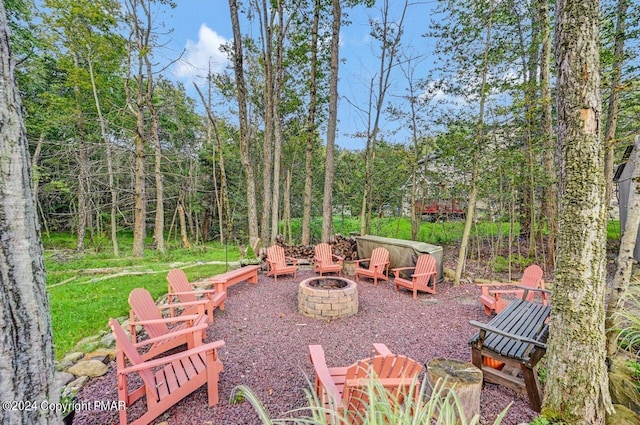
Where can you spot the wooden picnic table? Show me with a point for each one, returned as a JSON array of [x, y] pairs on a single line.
[[515, 337]]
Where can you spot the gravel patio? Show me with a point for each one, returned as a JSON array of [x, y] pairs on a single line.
[[267, 339]]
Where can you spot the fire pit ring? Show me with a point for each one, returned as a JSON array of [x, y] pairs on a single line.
[[327, 297]]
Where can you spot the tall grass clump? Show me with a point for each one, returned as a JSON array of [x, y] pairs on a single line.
[[441, 407], [629, 320]]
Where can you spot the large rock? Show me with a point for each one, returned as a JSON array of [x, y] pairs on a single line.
[[623, 416], [91, 368], [622, 386]]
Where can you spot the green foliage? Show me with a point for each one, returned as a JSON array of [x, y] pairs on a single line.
[[86, 290], [382, 408], [502, 264], [635, 366]]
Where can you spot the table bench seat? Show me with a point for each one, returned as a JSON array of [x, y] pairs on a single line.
[[516, 337], [223, 281]]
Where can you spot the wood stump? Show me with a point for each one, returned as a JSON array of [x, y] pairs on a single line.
[[462, 377]]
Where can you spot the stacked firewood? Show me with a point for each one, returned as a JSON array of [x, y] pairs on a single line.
[[341, 246]]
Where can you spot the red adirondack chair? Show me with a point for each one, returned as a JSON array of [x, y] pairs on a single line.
[[323, 260], [180, 288], [165, 381], [492, 293], [145, 312], [423, 274], [278, 264], [345, 388], [378, 266]]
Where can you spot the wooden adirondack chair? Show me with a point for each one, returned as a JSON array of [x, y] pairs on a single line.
[[323, 260], [278, 264], [145, 312], [492, 293], [167, 380], [378, 266], [423, 273], [345, 388], [180, 288]]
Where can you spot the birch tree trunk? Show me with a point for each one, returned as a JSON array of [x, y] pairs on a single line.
[[109, 158], [576, 390], [26, 348], [245, 158], [473, 193], [625, 255]]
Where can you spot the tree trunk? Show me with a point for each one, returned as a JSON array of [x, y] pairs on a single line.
[[109, 159], [576, 348], [550, 189], [277, 125], [83, 169], [311, 127], [329, 171], [245, 158], [614, 97], [471, 209], [26, 347], [183, 227]]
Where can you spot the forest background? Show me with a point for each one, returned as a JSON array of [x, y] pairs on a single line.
[[118, 146]]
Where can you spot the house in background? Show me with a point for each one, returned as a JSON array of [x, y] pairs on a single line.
[[441, 190]]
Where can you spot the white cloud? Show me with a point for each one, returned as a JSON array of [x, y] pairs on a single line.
[[202, 55]]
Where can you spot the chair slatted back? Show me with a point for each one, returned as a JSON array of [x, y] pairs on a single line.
[[144, 308], [395, 373], [532, 278], [379, 256], [425, 264], [323, 253], [178, 282], [126, 350], [275, 253]]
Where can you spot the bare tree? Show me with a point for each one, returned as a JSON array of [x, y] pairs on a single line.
[[389, 34], [26, 347]]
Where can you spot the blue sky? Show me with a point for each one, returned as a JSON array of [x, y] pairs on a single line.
[[200, 26]]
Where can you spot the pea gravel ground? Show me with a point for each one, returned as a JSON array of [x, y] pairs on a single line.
[[267, 349]]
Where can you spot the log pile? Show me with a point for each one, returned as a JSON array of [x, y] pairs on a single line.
[[341, 246]]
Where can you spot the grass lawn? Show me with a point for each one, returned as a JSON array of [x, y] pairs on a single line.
[[86, 290]]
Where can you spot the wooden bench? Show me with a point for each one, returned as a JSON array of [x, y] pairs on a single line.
[[516, 337], [223, 281]]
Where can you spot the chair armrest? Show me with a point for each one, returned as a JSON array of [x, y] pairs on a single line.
[[293, 260], [316, 353], [381, 349], [402, 268], [212, 346], [186, 318], [337, 257], [489, 328], [181, 304], [195, 292], [497, 284], [185, 331], [424, 274], [528, 288], [362, 260]]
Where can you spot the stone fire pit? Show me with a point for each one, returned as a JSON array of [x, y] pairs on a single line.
[[327, 297]]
